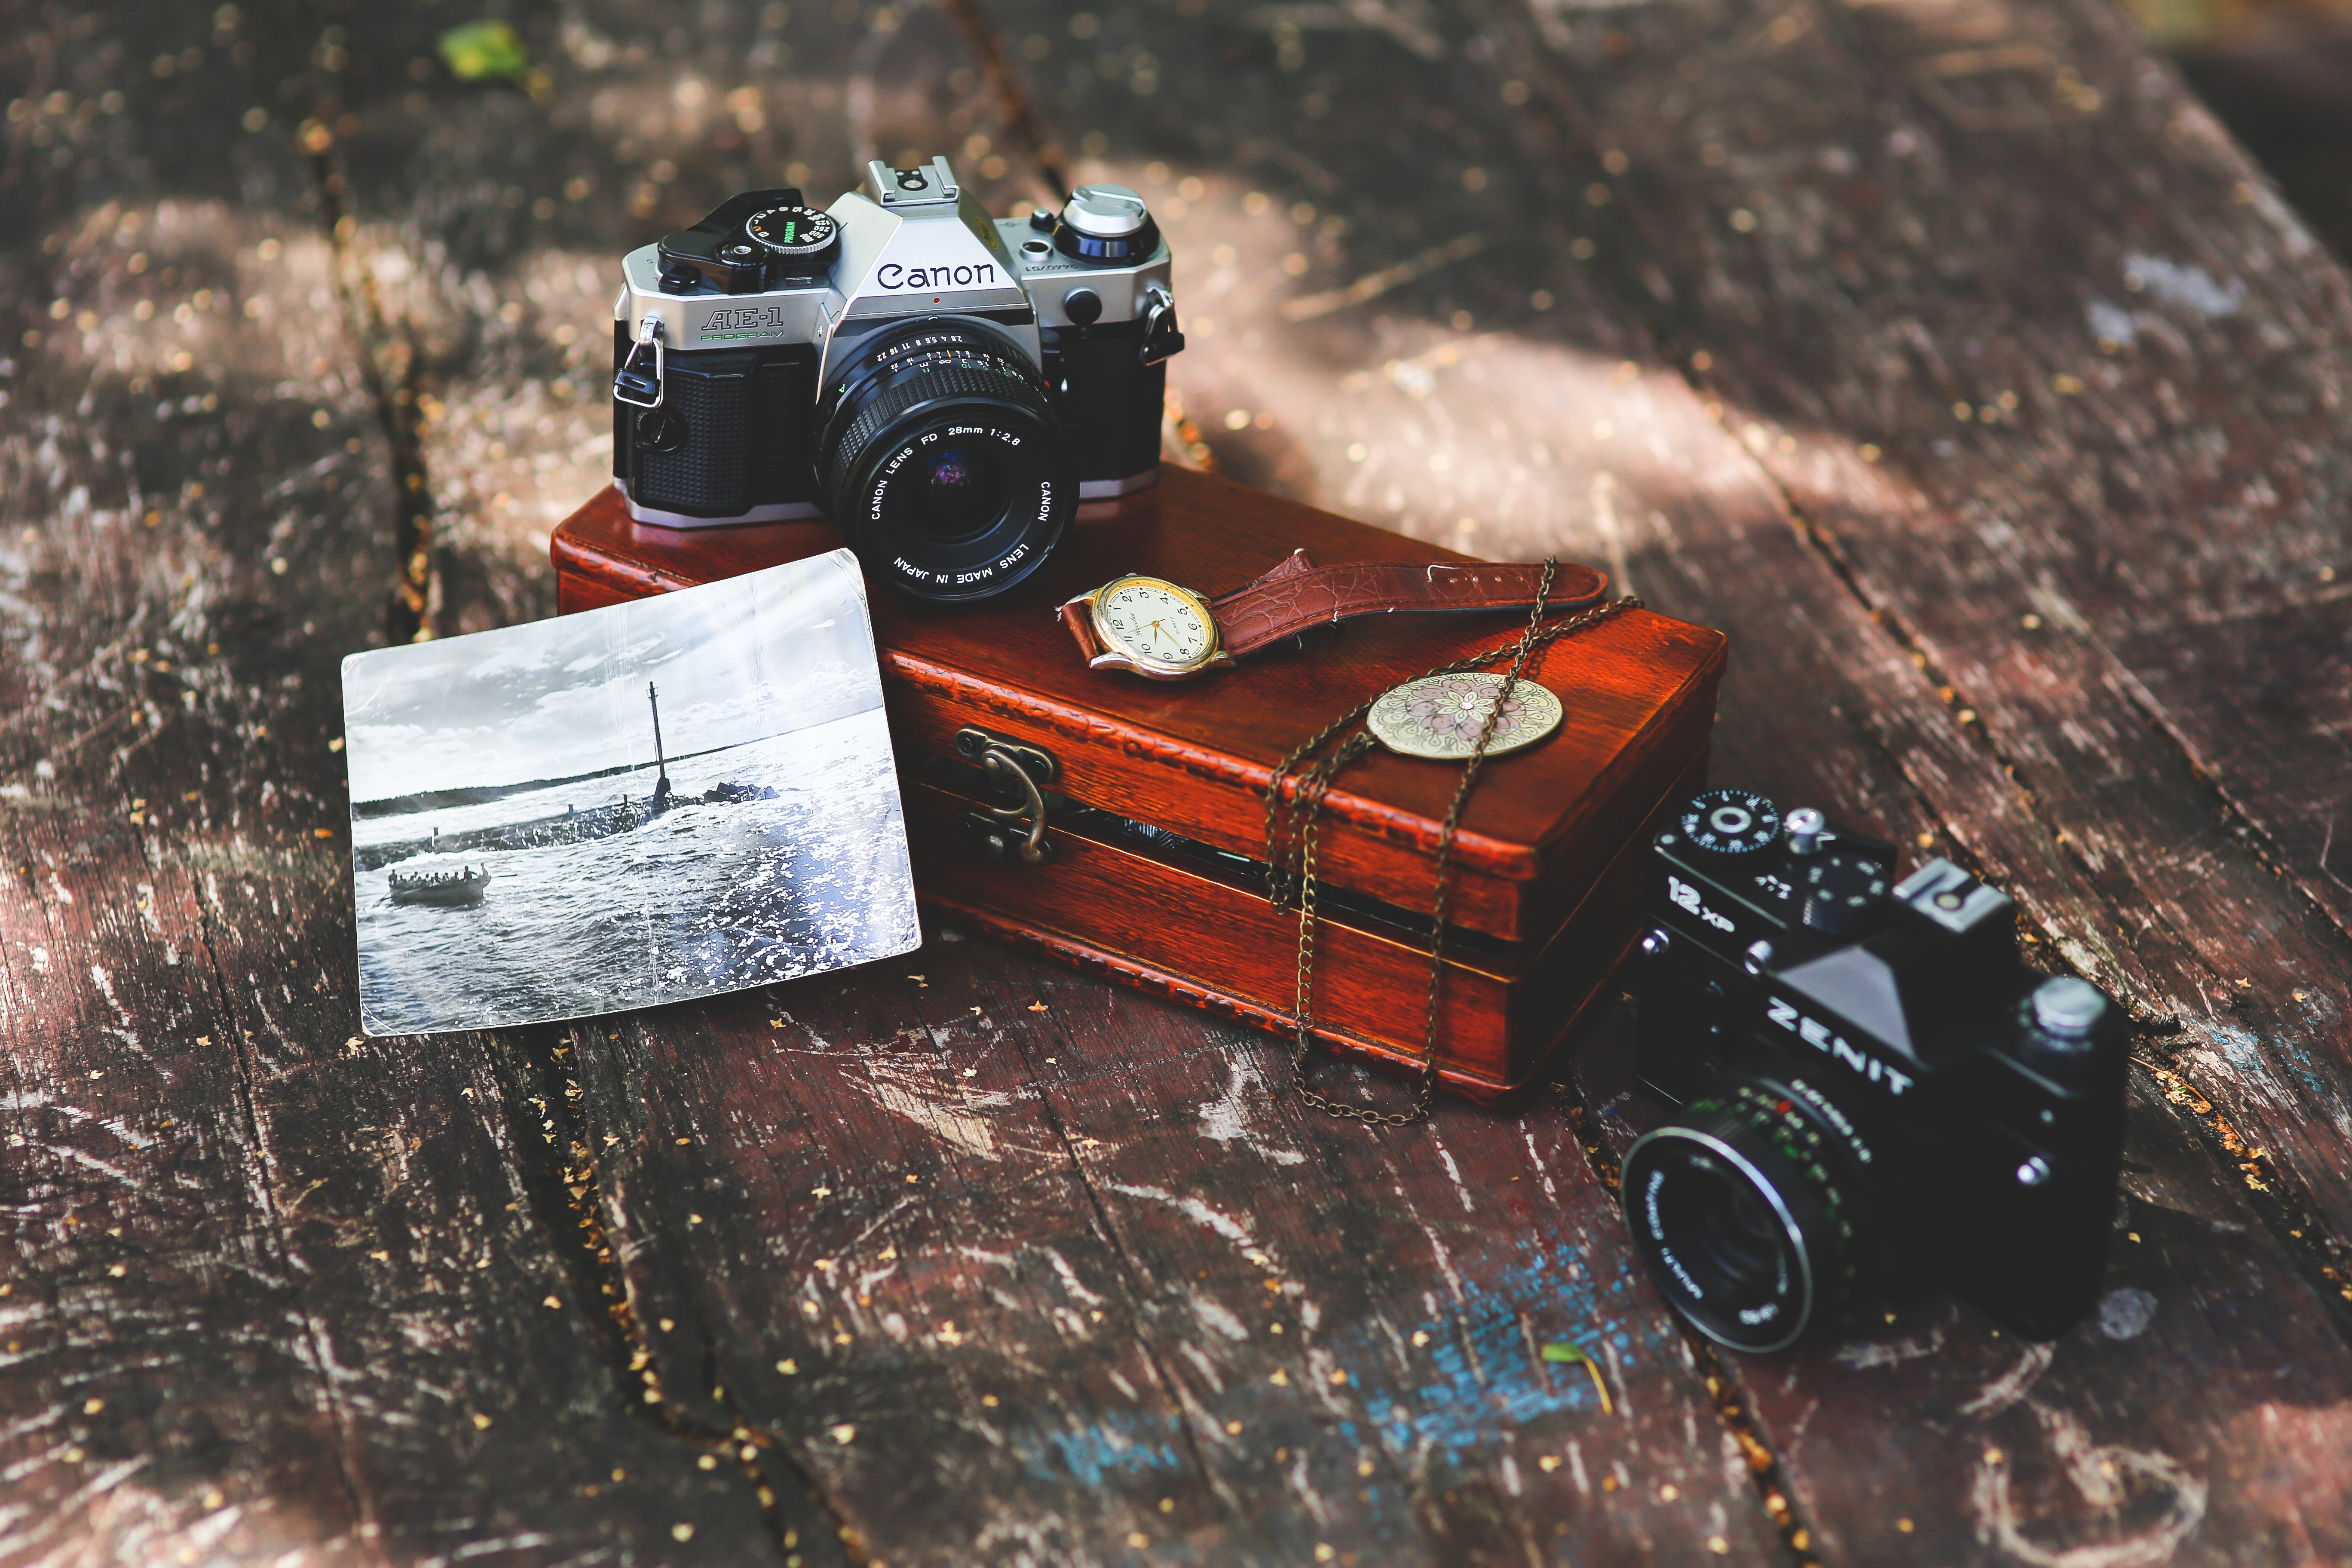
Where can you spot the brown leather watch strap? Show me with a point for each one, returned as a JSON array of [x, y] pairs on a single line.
[[1284, 603], [1078, 615], [1297, 594], [1081, 627]]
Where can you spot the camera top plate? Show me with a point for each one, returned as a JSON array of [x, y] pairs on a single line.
[[931, 250]]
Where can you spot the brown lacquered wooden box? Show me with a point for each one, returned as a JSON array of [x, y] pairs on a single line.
[[1156, 814]]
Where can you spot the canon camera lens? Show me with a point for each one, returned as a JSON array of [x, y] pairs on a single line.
[[942, 461], [1753, 1210]]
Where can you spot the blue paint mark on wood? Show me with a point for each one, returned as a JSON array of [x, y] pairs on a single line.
[[1120, 1443], [1481, 1371]]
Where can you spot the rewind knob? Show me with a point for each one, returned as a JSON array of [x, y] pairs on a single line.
[[1731, 824]]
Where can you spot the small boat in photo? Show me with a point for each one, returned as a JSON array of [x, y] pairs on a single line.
[[447, 889]]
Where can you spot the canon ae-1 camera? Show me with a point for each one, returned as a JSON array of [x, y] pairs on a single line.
[[944, 385], [1874, 1095]]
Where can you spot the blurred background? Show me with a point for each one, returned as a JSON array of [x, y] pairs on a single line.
[[2279, 75], [331, 283]]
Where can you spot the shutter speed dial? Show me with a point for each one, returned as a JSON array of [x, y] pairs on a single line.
[[1733, 823], [1842, 893], [800, 238]]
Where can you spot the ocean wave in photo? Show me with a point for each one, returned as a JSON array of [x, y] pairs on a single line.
[[777, 859]]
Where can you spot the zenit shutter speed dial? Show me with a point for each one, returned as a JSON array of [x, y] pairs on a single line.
[[1731, 823], [1841, 892]]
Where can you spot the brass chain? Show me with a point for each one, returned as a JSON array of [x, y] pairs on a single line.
[[1291, 839]]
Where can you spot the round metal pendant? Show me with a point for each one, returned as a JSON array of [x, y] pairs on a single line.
[[1440, 716]]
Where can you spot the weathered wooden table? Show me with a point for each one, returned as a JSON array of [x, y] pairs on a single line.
[[1944, 352]]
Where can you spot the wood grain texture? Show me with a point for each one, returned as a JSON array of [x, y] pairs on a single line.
[[1830, 696], [266, 1296], [2156, 908], [918, 1229], [1504, 1010], [2131, 1439], [2050, 562], [1489, 338], [347, 1419]]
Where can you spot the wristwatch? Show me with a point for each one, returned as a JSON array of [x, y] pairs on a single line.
[[1164, 631]]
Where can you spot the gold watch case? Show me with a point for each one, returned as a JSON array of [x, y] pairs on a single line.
[[1124, 650]]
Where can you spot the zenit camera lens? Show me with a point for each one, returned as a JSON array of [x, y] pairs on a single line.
[[1752, 1210], [942, 461]]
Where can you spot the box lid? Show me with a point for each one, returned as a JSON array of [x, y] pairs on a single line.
[[1194, 757]]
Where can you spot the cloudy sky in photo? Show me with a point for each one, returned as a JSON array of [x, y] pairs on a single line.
[[735, 661]]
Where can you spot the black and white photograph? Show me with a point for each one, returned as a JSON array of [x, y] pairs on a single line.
[[670, 799]]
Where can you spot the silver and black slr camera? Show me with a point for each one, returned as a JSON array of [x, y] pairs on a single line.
[[1874, 1094], [946, 386]]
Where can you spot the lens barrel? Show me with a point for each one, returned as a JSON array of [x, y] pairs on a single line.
[[1756, 1209], [941, 458]]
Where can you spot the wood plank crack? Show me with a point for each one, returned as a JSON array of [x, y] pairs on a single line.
[[389, 357], [2288, 1210], [2321, 1255], [1132, 1276], [584, 1213], [1725, 1380], [355, 1493], [2086, 940]]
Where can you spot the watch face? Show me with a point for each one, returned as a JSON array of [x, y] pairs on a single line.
[[1154, 622]]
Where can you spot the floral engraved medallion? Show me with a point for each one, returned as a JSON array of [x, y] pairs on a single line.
[[1440, 715]]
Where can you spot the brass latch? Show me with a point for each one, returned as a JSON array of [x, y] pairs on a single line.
[[1017, 772]]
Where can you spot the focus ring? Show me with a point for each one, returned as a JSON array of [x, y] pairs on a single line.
[[943, 460], [959, 378], [1791, 1151]]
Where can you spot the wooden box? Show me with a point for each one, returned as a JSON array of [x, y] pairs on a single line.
[[1156, 809]]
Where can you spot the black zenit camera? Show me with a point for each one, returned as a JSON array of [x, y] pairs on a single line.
[[1874, 1094], [944, 385]]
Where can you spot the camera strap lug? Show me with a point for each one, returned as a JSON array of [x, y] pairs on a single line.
[[1161, 341], [631, 384]]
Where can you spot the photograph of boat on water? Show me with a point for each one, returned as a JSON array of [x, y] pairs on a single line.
[[670, 799]]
